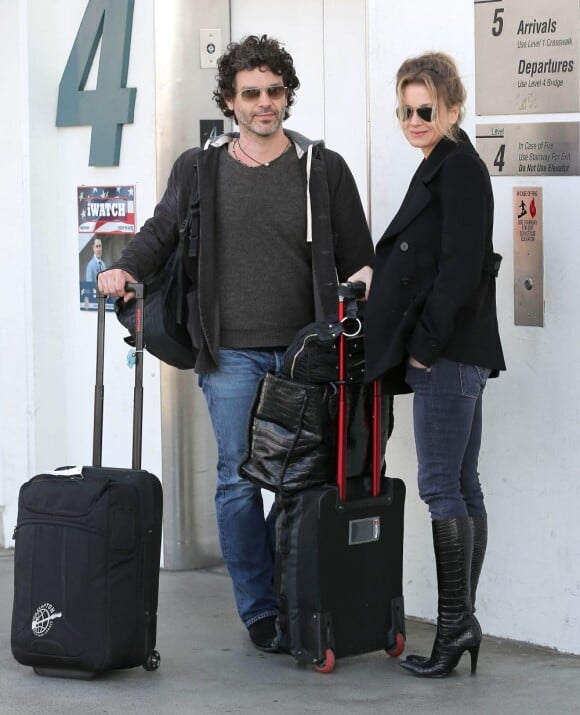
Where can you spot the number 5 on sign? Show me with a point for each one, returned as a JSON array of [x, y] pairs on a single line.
[[111, 104]]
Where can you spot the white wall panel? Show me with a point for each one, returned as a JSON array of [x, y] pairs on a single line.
[[58, 360], [530, 586], [327, 42], [16, 379], [303, 40]]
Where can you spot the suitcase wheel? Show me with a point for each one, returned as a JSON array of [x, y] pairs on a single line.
[[153, 661], [327, 665], [399, 646]]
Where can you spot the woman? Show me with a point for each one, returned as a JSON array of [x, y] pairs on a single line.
[[431, 328]]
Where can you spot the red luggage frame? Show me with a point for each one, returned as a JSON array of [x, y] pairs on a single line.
[[339, 555], [354, 291]]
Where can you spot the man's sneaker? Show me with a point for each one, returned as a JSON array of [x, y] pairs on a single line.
[[263, 635]]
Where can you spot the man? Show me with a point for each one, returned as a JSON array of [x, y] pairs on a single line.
[[271, 209], [96, 264]]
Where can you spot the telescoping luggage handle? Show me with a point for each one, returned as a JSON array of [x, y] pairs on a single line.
[[348, 294], [136, 288]]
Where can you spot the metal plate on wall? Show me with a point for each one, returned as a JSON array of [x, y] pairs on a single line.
[[528, 216], [526, 56], [540, 149], [184, 99]]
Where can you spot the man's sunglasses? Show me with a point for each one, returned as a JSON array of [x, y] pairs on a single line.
[[276, 91], [405, 113]]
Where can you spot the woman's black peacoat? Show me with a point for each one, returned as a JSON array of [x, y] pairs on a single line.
[[433, 289]]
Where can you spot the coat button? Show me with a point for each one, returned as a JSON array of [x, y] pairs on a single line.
[[405, 281], [404, 246]]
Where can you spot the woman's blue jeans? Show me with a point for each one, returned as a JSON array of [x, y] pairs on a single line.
[[247, 538], [447, 422]]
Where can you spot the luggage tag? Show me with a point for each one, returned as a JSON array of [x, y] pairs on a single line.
[[72, 472]]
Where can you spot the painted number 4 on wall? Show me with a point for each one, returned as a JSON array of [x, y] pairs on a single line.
[[111, 104]]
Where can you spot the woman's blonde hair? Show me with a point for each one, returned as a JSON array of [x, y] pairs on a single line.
[[438, 72]]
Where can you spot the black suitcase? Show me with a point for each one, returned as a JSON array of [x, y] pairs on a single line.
[[87, 552], [339, 556]]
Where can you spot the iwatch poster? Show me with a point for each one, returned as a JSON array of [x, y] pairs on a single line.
[[106, 223]]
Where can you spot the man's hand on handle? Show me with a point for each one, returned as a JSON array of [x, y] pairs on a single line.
[[112, 282]]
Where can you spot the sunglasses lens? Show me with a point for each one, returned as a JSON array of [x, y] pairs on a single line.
[[405, 113], [253, 93], [276, 92], [250, 95], [425, 113]]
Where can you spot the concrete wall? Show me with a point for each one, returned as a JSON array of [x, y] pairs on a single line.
[[530, 586]]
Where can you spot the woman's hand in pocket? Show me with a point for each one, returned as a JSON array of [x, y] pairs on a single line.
[[416, 363]]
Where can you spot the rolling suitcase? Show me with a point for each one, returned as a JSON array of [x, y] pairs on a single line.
[[86, 558], [339, 556]]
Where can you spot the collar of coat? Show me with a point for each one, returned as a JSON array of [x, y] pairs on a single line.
[[431, 165], [418, 194]]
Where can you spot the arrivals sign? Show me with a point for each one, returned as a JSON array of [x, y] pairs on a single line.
[[526, 56]]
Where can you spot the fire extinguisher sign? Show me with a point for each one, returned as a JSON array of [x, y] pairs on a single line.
[[528, 204], [528, 256]]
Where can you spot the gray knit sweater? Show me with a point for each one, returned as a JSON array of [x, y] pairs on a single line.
[[264, 261]]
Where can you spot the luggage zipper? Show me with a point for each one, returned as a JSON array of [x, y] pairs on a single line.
[[67, 524], [298, 352]]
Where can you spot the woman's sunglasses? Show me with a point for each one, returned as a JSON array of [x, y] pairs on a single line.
[[276, 91], [405, 113]]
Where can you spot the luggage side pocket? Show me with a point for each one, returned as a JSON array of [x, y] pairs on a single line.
[[58, 615]]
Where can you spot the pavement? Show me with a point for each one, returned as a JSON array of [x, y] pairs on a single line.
[[209, 667]]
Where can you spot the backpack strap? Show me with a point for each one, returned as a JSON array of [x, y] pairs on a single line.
[[188, 245]]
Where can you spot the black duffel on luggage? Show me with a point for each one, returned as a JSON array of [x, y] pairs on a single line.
[[292, 427], [288, 446], [87, 551], [339, 555]]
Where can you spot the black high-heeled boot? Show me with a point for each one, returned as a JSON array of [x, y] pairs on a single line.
[[479, 524], [457, 628]]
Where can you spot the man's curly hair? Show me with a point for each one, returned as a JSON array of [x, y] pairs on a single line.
[[252, 52]]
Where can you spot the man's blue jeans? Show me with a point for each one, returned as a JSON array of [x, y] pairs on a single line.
[[247, 539], [447, 422]]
